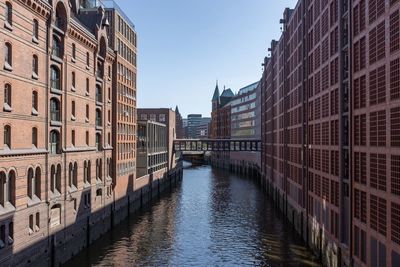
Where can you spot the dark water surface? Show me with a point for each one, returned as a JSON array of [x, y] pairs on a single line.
[[213, 219]]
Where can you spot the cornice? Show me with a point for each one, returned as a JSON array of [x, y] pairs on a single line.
[[40, 7]]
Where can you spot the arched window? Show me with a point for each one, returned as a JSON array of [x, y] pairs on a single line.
[[100, 69], [35, 101], [73, 78], [87, 112], [89, 172], [7, 95], [73, 51], [75, 175], [99, 94], [55, 78], [31, 183], [35, 30], [8, 56], [34, 137], [87, 59], [57, 47], [35, 65], [9, 13], [54, 142], [3, 189], [87, 138], [37, 184], [86, 172], [7, 136], [87, 86], [61, 16], [55, 114], [98, 141], [55, 183], [11, 187], [99, 171], [98, 118], [73, 108]]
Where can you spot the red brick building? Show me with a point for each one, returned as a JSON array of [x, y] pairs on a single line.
[[330, 127], [56, 151], [221, 123]]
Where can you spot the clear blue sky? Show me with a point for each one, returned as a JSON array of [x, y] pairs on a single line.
[[185, 45]]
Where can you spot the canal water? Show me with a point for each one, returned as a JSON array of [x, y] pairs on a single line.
[[213, 219]]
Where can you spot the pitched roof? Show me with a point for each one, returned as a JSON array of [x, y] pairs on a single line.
[[227, 93]]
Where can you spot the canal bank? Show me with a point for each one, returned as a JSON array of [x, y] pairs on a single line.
[[215, 218]]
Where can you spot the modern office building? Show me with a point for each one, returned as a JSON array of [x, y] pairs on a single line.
[[246, 123], [164, 116], [123, 40], [152, 147], [193, 121], [56, 150], [330, 109]]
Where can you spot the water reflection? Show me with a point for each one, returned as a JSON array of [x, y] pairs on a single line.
[[213, 219]]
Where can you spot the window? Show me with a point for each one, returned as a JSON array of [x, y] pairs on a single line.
[[55, 78], [99, 94], [57, 48], [73, 81], [86, 172], [73, 137], [8, 56], [73, 110], [73, 51], [73, 175], [109, 93], [34, 184], [34, 137], [55, 182], [87, 59], [35, 101], [31, 224], [7, 188], [98, 118], [35, 66], [8, 14], [35, 30], [87, 86], [87, 138], [7, 97], [55, 110], [87, 112], [54, 142], [98, 141], [99, 170], [37, 225], [7, 136]]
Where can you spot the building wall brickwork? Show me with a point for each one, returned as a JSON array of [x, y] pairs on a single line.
[[329, 112]]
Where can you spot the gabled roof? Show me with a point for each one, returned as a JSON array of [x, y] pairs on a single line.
[[227, 93]]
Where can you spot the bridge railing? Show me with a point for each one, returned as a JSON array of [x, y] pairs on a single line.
[[217, 145]]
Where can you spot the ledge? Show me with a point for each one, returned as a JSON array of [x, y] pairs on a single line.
[[87, 93], [7, 66], [35, 76], [8, 26], [56, 91], [78, 149], [8, 208], [56, 123], [7, 108], [108, 148], [17, 152], [73, 60], [34, 112], [58, 30], [56, 59], [73, 89], [35, 40]]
